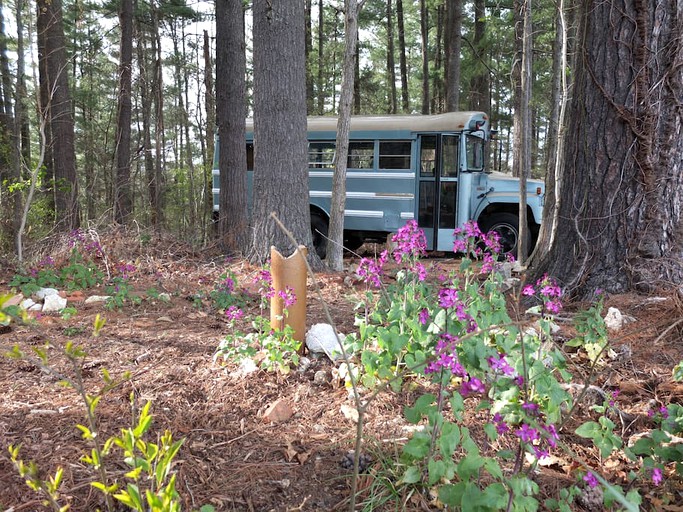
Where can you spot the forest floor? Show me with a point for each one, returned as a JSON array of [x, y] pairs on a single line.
[[232, 458]]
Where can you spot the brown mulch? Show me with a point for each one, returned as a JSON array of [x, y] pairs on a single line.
[[231, 458]]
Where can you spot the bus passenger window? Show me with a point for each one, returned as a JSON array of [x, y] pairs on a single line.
[[361, 155], [321, 155], [449, 151], [250, 156], [394, 154], [428, 156]]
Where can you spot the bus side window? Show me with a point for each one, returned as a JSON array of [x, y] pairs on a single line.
[[250, 156], [361, 155], [321, 155], [428, 156], [394, 154]]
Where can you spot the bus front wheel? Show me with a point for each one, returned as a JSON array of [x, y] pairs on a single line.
[[507, 227], [319, 230]]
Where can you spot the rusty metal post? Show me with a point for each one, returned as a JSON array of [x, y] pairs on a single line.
[[289, 273]]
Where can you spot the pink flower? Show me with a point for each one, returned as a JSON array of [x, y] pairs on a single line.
[[590, 479], [423, 316], [656, 476], [528, 291]]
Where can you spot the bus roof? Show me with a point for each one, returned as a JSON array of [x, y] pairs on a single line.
[[447, 122]]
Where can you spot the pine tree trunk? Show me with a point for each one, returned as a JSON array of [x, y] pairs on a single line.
[[453, 46], [280, 152], [58, 108], [335, 251], [123, 203], [424, 33], [231, 112], [480, 97], [392, 106], [405, 98], [620, 215]]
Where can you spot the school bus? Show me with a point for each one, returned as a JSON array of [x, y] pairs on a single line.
[[430, 168]]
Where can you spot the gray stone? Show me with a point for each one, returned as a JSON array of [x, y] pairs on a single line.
[[97, 298], [45, 292], [54, 303], [321, 339]]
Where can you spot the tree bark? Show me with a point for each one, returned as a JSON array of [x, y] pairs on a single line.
[[453, 47], [620, 217], [335, 250], [480, 97], [280, 141], [123, 202], [424, 33], [231, 110], [405, 98], [392, 106], [59, 111]]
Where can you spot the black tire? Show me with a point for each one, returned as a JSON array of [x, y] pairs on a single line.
[[507, 227], [319, 230]]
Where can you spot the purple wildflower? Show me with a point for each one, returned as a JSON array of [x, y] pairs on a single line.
[[370, 271], [527, 434], [234, 313], [410, 242], [530, 408], [501, 426], [500, 364], [473, 385], [423, 316], [590, 479], [656, 476], [288, 297], [528, 290], [446, 357], [448, 297]]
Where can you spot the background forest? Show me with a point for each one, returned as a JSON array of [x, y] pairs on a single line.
[[109, 109]]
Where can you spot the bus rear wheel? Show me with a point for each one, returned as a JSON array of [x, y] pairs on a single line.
[[319, 230], [507, 227]]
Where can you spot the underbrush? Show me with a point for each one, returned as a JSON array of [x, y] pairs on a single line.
[[500, 396]]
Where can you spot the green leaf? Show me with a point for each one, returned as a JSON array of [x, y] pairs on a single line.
[[418, 446], [436, 470], [422, 407], [589, 429], [451, 494], [412, 475], [449, 439], [469, 466]]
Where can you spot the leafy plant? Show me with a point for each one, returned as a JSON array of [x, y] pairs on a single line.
[[455, 331], [148, 486]]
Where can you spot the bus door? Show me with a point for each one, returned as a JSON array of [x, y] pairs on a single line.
[[438, 189]]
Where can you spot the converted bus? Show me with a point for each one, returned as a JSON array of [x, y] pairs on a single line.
[[430, 168]]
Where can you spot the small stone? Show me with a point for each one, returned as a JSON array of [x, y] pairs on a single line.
[[54, 303], [350, 413], [27, 304], [165, 297], [77, 296], [166, 319], [364, 461], [46, 292], [278, 412], [321, 378], [614, 320], [97, 298], [321, 339]]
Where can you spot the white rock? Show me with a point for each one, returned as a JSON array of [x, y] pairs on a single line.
[[54, 303], [45, 292], [614, 320], [97, 298], [27, 304], [321, 339]]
